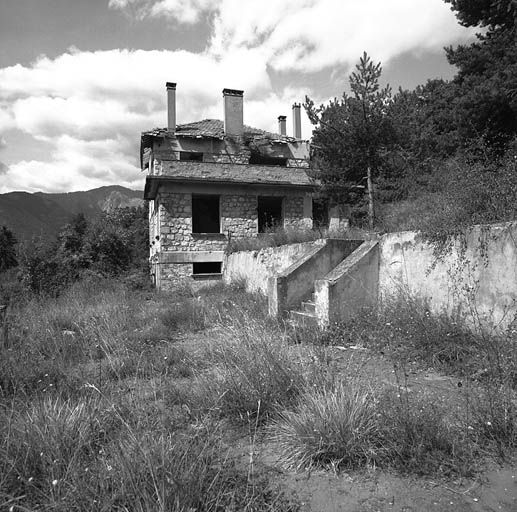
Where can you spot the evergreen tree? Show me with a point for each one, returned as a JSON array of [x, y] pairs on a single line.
[[487, 72], [353, 136]]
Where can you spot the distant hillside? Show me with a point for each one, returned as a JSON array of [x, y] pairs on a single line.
[[44, 214]]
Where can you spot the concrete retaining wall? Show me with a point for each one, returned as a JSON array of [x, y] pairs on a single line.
[[479, 282], [256, 267], [349, 287]]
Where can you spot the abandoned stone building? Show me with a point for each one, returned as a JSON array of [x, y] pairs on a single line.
[[211, 181]]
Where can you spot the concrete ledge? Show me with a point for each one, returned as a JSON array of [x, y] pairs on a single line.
[[190, 257], [349, 287]]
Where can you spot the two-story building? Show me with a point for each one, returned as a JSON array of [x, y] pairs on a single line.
[[210, 181]]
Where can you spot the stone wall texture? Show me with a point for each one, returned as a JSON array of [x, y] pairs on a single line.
[[294, 212], [239, 215]]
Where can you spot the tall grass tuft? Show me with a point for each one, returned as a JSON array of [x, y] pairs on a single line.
[[334, 427], [252, 373]]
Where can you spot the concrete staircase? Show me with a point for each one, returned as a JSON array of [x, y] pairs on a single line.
[[306, 315]]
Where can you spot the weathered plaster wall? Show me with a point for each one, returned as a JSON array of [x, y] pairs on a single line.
[[480, 282], [255, 267], [349, 287]]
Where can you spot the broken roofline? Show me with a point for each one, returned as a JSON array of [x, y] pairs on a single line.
[[153, 182]]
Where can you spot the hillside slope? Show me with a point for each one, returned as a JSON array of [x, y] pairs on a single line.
[[41, 214]]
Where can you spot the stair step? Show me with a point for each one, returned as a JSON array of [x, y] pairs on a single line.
[[303, 319], [309, 307]]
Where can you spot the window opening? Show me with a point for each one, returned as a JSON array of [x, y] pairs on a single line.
[[209, 267], [191, 156], [259, 159], [320, 213], [205, 214], [269, 213]]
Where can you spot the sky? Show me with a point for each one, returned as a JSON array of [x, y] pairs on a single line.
[[81, 79]]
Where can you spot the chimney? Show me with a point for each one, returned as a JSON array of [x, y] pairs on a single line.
[[233, 116], [282, 125], [171, 106], [297, 121]]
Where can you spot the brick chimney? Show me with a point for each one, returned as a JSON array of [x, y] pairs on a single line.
[[297, 121], [171, 106], [282, 125], [233, 112]]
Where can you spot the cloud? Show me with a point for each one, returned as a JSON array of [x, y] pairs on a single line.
[[182, 11], [77, 165], [3, 168], [89, 107], [310, 35]]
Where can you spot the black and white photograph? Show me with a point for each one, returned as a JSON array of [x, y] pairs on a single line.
[[258, 255]]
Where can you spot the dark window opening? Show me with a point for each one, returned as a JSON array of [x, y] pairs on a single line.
[[259, 159], [208, 267], [269, 213], [191, 155], [205, 214], [320, 213]]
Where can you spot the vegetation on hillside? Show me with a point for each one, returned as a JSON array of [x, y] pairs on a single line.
[[434, 146], [116, 399], [115, 244]]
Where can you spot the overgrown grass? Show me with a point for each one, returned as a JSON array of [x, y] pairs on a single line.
[[282, 236], [416, 433], [74, 439], [252, 373], [112, 399]]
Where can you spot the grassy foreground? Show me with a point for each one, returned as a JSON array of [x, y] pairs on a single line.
[[119, 400]]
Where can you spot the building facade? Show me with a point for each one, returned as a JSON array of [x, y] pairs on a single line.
[[212, 181]]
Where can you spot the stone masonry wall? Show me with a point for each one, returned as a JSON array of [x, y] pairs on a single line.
[[176, 226], [293, 212], [239, 215], [171, 274], [239, 218]]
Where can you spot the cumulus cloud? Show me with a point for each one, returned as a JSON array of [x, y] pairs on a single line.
[[3, 168], [89, 107], [76, 165], [310, 35]]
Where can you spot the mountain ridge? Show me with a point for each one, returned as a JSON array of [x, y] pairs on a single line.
[[44, 214]]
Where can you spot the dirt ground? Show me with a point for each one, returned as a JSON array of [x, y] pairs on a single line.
[[493, 489]]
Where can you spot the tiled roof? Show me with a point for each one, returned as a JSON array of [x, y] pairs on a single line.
[[213, 128]]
